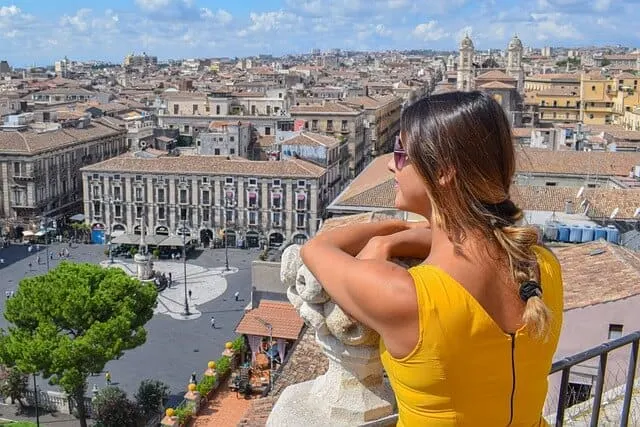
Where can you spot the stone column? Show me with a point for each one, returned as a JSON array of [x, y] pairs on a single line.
[[352, 391]]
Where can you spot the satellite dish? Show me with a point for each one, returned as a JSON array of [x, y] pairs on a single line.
[[580, 191], [636, 213], [614, 213]]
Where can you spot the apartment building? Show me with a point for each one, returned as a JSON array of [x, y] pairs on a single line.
[[207, 196], [225, 139], [328, 152], [40, 163], [382, 121], [60, 95], [341, 120], [553, 98]]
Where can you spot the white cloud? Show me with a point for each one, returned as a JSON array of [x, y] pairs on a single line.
[[153, 5], [382, 31], [396, 4], [601, 5], [270, 21], [429, 31], [220, 16], [79, 21], [9, 10]]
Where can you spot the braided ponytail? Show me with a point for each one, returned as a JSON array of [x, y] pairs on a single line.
[[517, 242]]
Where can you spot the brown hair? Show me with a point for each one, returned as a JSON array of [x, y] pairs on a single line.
[[466, 137]]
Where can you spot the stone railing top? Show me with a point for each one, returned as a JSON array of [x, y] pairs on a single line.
[[313, 303]]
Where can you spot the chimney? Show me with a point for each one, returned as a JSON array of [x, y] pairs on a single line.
[[568, 207]]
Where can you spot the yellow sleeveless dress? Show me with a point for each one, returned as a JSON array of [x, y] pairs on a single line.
[[465, 371]]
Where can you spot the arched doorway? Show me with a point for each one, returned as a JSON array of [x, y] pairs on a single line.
[[97, 233], [119, 227], [206, 236], [230, 238], [299, 239], [276, 239], [137, 230], [161, 230], [253, 239]]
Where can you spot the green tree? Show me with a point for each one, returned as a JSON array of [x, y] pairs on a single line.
[[13, 383], [71, 321], [112, 408], [150, 396]]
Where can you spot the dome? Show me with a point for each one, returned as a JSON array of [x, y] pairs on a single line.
[[515, 43], [466, 43]]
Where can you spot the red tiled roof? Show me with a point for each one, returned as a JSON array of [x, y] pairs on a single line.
[[282, 316]]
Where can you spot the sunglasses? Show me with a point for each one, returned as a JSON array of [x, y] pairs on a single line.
[[400, 156]]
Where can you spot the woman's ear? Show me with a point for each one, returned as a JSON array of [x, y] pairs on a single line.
[[446, 177]]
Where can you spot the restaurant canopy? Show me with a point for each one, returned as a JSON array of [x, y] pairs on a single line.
[[172, 241]]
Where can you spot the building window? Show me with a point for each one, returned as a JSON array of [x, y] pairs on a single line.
[[229, 196], [183, 196], [228, 216], [160, 195], [329, 125], [96, 209], [253, 218], [232, 151], [195, 108], [205, 215], [253, 199], [302, 184], [550, 184], [301, 202], [16, 168], [344, 127], [228, 180], [117, 193], [276, 201], [138, 177], [205, 197], [276, 219], [232, 138], [96, 192], [216, 151], [138, 194], [205, 179], [314, 125], [138, 211], [615, 331], [161, 213], [577, 392], [253, 181], [267, 130], [117, 211], [277, 183], [175, 108], [217, 110], [300, 220], [186, 128], [593, 88]]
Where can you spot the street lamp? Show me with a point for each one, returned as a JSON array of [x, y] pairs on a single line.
[[230, 204], [44, 225], [109, 230], [35, 397], [184, 261]]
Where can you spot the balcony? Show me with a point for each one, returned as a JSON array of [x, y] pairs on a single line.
[[24, 177], [353, 390]]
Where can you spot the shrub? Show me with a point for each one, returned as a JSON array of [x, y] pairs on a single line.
[[133, 251], [184, 413], [13, 384], [206, 385], [222, 366], [238, 345], [150, 396], [156, 253], [111, 408]]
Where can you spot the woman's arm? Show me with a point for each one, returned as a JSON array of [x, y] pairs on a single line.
[[376, 292]]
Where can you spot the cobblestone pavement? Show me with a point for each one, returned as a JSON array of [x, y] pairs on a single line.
[[175, 346]]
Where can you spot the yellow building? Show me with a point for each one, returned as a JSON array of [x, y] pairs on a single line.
[[553, 98], [631, 119], [597, 97]]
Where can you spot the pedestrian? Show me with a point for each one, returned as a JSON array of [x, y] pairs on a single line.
[[1, 260], [30, 249], [51, 255], [30, 266], [107, 377], [237, 296], [193, 380], [213, 322], [189, 293], [7, 294], [37, 247], [170, 279], [38, 259]]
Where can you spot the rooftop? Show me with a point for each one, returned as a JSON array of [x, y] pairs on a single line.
[[282, 316], [208, 165]]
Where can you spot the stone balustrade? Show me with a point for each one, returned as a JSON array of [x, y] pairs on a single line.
[[353, 390]]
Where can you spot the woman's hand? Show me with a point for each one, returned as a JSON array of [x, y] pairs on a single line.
[[415, 242]]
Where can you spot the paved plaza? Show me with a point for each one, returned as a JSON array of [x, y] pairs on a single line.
[[176, 345]]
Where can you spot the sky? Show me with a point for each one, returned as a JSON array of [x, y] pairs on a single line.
[[42, 31]]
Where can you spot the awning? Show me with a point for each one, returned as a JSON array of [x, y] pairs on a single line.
[[117, 233], [126, 239], [301, 197], [27, 233], [253, 195], [40, 233], [77, 217], [172, 241], [276, 195]]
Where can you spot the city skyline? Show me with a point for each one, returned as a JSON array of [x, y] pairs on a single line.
[[41, 32]]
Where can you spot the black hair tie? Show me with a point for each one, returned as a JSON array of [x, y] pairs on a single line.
[[529, 289], [502, 212]]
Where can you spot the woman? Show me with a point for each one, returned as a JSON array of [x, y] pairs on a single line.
[[467, 337]]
